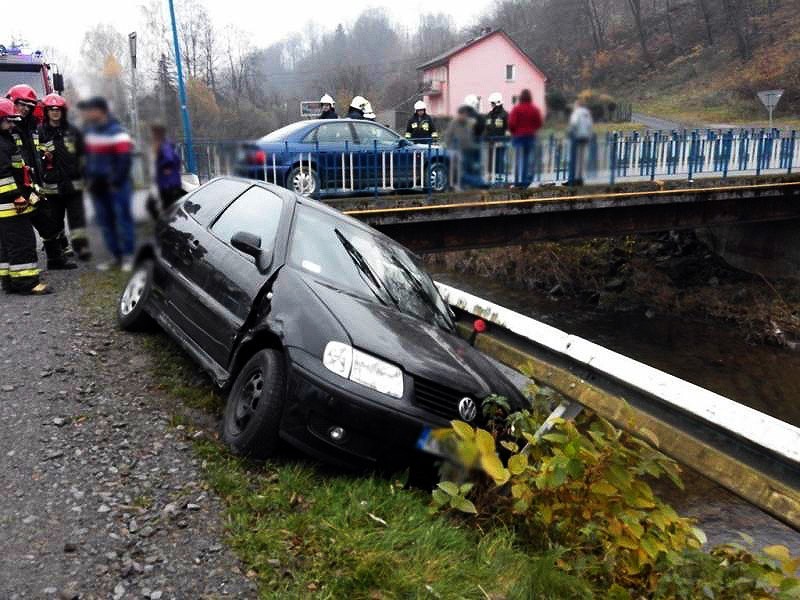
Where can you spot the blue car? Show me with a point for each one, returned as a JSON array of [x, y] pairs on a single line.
[[324, 157]]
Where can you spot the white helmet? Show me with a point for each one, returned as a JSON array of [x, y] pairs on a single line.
[[420, 105], [326, 99], [369, 114], [495, 98], [360, 103], [472, 100]]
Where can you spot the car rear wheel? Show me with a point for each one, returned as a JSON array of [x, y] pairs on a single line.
[[131, 314], [251, 423], [439, 177], [303, 181]]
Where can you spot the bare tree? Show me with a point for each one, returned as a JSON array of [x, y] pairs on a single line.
[[704, 10], [734, 12], [636, 10]]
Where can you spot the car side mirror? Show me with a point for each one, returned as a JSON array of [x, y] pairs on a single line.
[[250, 244], [58, 82]]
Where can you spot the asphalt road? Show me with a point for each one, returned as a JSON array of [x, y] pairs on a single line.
[[101, 496]]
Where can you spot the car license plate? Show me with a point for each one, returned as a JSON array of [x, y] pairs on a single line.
[[428, 443]]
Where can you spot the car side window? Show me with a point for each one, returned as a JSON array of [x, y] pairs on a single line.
[[257, 211], [367, 132], [331, 133], [205, 203]]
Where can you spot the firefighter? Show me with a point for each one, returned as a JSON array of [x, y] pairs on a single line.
[[328, 107], [421, 127], [19, 270], [496, 130], [358, 107], [26, 136], [61, 148], [471, 105]]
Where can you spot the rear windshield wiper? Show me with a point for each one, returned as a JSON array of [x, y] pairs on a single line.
[[364, 268]]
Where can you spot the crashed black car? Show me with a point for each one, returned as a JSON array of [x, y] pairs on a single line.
[[325, 332]]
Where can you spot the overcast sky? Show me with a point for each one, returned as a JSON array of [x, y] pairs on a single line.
[[62, 24]]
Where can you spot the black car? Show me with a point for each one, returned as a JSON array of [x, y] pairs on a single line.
[[325, 332]]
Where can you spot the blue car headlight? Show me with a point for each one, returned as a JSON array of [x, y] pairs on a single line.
[[363, 368]]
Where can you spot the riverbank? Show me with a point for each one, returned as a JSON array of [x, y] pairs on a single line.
[[666, 273]]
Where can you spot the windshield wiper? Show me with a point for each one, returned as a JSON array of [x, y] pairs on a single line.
[[420, 290], [364, 268]]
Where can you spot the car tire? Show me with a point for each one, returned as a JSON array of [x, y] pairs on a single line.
[[303, 181], [439, 177], [251, 422], [131, 313]]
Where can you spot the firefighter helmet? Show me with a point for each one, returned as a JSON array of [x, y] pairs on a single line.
[[472, 101], [54, 101], [22, 93], [7, 110], [326, 99], [360, 103], [495, 98], [369, 114], [420, 105]]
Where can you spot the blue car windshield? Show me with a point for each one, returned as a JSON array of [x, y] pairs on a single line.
[[367, 264], [280, 135]]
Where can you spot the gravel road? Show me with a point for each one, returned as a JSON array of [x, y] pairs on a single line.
[[101, 496]]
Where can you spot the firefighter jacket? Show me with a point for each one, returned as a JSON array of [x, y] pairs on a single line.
[[12, 176], [496, 123], [421, 128], [27, 138], [329, 114], [61, 153]]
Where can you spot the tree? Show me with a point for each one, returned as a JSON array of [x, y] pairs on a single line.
[[703, 6], [636, 10], [734, 12]]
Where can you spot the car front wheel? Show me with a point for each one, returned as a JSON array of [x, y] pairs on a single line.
[[303, 181], [252, 417], [131, 314]]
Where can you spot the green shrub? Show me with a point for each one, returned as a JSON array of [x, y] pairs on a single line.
[[581, 491]]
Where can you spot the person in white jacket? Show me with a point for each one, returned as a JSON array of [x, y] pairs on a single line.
[[580, 134]]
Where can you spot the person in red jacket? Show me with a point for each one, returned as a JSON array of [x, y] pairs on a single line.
[[523, 123]]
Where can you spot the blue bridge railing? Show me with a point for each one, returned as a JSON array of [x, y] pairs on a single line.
[[378, 168]]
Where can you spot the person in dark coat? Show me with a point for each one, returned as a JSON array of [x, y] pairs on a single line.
[[167, 167], [358, 107], [328, 107], [61, 147], [496, 130], [420, 127]]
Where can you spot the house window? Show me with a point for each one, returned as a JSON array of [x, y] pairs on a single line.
[[511, 72]]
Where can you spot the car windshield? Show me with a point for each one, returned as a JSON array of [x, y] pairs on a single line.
[[281, 134], [367, 264]]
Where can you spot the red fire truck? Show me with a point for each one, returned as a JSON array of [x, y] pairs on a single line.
[[16, 67]]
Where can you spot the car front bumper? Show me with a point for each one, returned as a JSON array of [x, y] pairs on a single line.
[[375, 432]]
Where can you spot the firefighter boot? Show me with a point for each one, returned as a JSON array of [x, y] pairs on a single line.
[[56, 260]]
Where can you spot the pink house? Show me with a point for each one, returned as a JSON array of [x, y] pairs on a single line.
[[492, 62]]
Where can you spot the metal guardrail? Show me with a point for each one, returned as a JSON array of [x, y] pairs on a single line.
[[752, 454], [375, 167]]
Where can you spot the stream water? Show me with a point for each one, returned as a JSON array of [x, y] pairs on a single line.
[[708, 353]]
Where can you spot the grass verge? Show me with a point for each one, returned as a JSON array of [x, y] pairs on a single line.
[[303, 530]]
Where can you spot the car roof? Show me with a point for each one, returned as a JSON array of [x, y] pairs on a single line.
[[290, 196]]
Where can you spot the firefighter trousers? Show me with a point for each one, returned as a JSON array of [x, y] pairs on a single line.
[[50, 229], [19, 269], [71, 205]]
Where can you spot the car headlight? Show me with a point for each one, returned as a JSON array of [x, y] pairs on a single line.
[[363, 368]]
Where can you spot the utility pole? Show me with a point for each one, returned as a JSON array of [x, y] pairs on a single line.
[[187, 126], [134, 89]]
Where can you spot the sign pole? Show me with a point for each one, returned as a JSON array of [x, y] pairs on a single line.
[[770, 98], [187, 126]]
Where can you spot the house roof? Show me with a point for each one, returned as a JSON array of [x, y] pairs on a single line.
[[444, 57]]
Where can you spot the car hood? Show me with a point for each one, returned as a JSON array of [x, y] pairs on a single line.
[[421, 349]]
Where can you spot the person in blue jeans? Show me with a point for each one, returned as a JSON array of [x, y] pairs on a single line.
[[108, 176]]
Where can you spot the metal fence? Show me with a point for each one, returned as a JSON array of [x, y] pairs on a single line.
[[556, 159]]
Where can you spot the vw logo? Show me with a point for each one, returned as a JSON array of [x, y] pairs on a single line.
[[467, 409]]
